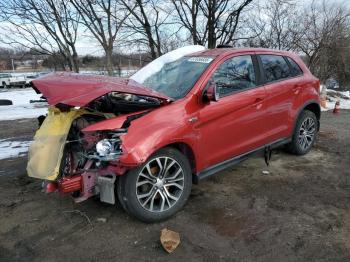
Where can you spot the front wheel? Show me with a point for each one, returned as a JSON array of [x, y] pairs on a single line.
[[304, 134], [157, 189]]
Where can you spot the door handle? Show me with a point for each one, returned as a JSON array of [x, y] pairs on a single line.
[[296, 89], [258, 102]]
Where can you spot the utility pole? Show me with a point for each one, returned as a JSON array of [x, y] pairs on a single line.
[[13, 65]]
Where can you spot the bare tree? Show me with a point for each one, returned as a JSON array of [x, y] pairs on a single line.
[[104, 20], [277, 25], [325, 36], [47, 25], [223, 19], [188, 15], [146, 22], [210, 21]]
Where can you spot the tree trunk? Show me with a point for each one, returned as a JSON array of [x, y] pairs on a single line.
[[69, 62], [109, 62], [150, 40], [194, 22], [75, 61], [211, 24]]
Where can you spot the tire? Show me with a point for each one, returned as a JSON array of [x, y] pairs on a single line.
[[151, 200], [5, 102], [304, 134], [118, 191]]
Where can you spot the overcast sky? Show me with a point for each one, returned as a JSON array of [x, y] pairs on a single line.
[[86, 45]]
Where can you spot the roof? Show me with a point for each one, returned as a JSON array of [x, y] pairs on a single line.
[[225, 51]]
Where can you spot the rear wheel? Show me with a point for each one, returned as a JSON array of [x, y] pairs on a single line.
[[157, 189], [305, 133]]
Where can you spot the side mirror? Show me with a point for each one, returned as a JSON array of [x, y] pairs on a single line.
[[211, 94]]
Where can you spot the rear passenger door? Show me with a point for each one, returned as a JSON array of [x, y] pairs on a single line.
[[283, 91]]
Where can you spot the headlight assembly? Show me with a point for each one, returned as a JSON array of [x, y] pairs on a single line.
[[104, 147], [107, 150]]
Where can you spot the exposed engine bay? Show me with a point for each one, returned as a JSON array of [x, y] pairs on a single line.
[[73, 157], [119, 103], [78, 145]]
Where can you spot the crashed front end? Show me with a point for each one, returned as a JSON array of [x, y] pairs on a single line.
[[78, 148]]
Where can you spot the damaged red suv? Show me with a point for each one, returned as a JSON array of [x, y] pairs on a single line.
[[144, 144]]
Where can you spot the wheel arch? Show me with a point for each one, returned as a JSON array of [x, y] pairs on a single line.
[[312, 106], [315, 108], [187, 150]]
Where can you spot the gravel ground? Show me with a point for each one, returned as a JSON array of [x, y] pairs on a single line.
[[300, 211]]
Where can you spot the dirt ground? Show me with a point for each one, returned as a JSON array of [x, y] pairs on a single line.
[[300, 211]]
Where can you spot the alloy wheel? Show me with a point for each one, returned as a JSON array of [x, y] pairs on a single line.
[[307, 133], [160, 184]]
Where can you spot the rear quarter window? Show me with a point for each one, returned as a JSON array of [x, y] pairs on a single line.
[[275, 67], [295, 69]]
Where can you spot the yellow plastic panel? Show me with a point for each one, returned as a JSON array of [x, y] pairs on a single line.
[[46, 151]]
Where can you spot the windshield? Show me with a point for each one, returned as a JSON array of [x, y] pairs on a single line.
[[5, 75], [175, 79]]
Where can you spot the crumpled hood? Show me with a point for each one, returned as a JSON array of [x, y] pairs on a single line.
[[79, 90]]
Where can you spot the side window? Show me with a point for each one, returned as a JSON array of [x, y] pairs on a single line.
[[295, 68], [275, 67], [234, 75]]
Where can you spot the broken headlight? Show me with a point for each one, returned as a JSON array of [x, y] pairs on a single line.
[[107, 149], [104, 147]]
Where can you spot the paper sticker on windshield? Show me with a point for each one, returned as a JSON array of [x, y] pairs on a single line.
[[198, 59]]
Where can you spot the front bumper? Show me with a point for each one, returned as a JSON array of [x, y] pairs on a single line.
[[87, 184], [46, 152]]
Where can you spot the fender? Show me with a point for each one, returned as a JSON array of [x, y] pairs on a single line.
[[157, 129], [301, 109], [137, 153]]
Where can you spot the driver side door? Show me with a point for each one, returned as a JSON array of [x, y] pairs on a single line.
[[235, 124]]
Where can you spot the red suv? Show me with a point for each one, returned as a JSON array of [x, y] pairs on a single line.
[[145, 143]]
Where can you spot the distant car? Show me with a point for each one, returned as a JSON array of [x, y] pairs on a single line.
[[17, 81], [188, 120], [331, 83], [29, 79], [5, 80]]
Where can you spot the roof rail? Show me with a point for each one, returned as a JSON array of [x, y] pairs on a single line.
[[224, 46]]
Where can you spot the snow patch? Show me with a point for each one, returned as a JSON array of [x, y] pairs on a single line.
[[11, 149], [344, 104], [20, 112], [333, 96], [157, 64], [346, 93], [21, 108], [19, 96]]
